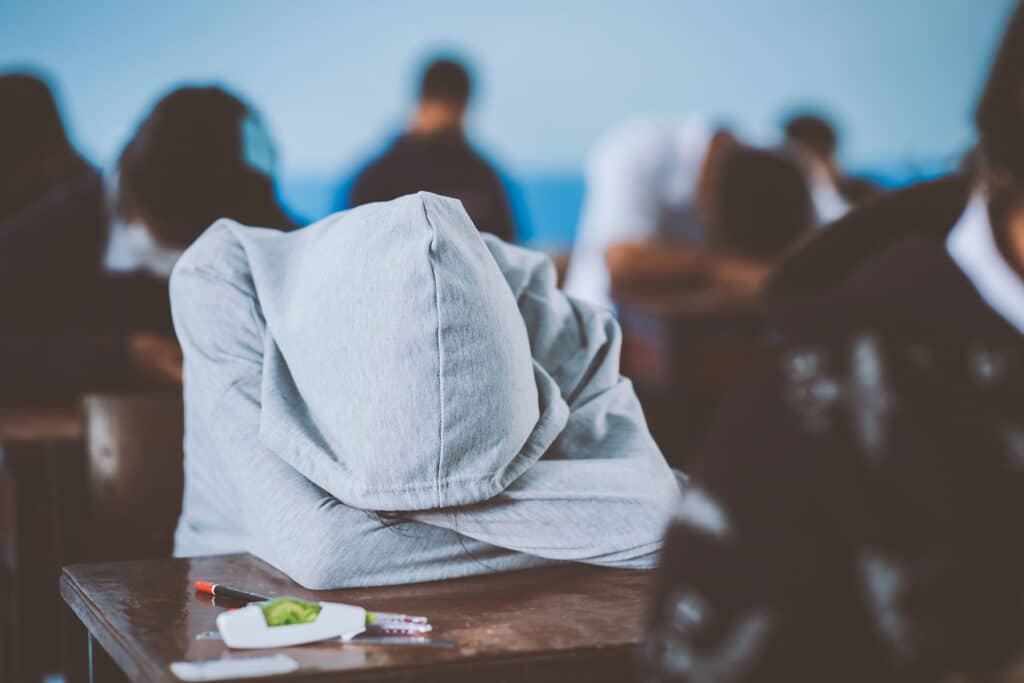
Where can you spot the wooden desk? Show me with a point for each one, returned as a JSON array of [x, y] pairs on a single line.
[[42, 477], [571, 623]]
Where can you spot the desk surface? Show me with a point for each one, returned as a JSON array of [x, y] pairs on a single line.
[[46, 422], [558, 624], [680, 303]]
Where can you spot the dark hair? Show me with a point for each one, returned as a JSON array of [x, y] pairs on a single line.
[[814, 133], [35, 154], [445, 79], [1000, 113], [200, 155], [762, 204]]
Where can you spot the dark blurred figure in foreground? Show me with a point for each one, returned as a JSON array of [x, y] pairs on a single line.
[[813, 139], [856, 515], [759, 207], [434, 155], [83, 308]]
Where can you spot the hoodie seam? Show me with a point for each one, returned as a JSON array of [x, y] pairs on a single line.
[[432, 252]]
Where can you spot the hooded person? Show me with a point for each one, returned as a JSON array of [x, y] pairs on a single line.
[[855, 513], [387, 397]]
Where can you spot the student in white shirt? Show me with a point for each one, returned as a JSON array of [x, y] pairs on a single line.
[[645, 180], [751, 207], [814, 141]]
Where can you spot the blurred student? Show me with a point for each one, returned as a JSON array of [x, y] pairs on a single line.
[[51, 219], [90, 306], [856, 514], [813, 139], [389, 397], [52, 231], [434, 155], [758, 207], [201, 154], [645, 181]]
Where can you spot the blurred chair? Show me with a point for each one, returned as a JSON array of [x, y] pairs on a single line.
[[7, 623], [134, 451], [684, 351]]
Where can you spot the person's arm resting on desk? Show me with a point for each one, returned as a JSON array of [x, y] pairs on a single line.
[[653, 265]]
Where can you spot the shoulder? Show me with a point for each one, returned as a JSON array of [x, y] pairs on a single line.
[[482, 165], [214, 304], [373, 171], [523, 268], [836, 251], [217, 250], [216, 259], [379, 165], [911, 284], [64, 207]]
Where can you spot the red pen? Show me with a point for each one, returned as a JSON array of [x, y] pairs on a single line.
[[222, 591]]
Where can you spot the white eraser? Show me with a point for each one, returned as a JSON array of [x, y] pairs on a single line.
[[235, 667]]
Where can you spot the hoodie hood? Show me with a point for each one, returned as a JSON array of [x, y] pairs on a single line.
[[397, 371]]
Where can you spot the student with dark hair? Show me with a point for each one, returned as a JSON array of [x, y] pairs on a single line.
[[762, 205], [814, 140], [35, 154], [814, 133], [445, 81], [434, 155], [200, 155], [758, 207], [52, 228], [51, 219], [86, 307], [856, 511]]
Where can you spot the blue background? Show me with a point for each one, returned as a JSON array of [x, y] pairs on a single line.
[[334, 79]]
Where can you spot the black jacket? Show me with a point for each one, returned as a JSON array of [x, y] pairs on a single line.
[[64, 323], [855, 513], [445, 164]]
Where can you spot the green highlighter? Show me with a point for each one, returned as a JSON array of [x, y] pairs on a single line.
[[288, 611], [283, 622]]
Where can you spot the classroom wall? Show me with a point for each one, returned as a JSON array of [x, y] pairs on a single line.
[[334, 78]]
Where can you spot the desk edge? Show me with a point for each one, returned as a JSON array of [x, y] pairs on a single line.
[[132, 663]]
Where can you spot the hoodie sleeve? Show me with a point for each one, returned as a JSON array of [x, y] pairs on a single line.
[[603, 493], [237, 487]]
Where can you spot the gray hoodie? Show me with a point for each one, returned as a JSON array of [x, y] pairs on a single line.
[[386, 397]]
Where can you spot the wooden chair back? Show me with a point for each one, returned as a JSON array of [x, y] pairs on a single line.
[[134, 463]]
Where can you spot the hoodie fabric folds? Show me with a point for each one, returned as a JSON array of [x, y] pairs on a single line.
[[386, 396]]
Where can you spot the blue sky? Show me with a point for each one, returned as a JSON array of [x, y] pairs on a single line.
[[333, 78]]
